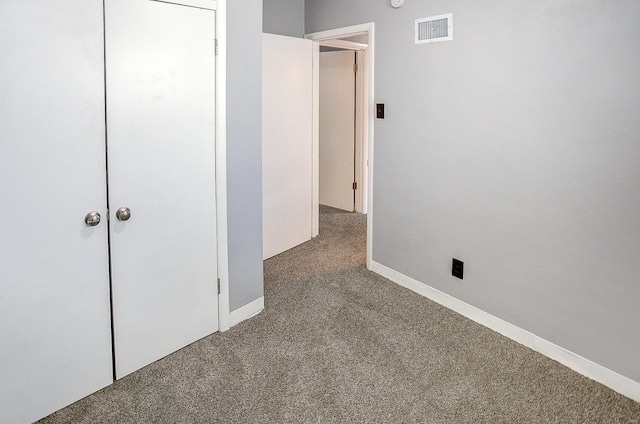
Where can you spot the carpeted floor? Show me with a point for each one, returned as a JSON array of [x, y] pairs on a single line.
[[337, 343]]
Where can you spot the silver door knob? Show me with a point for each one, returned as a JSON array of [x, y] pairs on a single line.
[[123, 214], [92, 218]]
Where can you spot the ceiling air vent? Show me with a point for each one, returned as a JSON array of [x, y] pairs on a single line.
[[435, 28]]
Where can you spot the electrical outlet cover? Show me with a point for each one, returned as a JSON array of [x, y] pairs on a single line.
[[457, 268]]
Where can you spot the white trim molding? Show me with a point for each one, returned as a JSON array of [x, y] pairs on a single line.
[[586, 367], [221, 165], [247, 311], [315, 140]]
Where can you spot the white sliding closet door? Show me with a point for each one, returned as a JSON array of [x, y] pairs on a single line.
[[55, 330], [160, 106], [287, 142]]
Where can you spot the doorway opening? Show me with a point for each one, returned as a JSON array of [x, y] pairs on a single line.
[[358, 39]]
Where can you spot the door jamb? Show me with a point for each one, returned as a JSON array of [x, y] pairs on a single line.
[[224, 320], [329, 37], [361, 120]]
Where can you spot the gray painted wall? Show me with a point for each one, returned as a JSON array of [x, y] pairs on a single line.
[[515, 148], [284, 17], [244, 150]]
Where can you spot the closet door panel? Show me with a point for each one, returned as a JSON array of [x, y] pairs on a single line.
[[55, 328], [161, 96]]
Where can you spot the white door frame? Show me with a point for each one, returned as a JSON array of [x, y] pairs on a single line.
[[224, 319], [362, 120], [364, 160]]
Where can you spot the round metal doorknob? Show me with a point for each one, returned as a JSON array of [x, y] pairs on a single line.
[[92, 218], [123, 214]]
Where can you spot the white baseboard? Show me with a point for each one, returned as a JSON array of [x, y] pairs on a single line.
[[247, 311], [599, 373]]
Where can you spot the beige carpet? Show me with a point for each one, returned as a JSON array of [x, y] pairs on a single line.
[[338, 344]]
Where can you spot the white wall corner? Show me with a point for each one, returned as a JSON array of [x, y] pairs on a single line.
[[586, 367], [247, 311]]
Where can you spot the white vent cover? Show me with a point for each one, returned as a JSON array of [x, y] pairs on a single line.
[[435, 28]]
